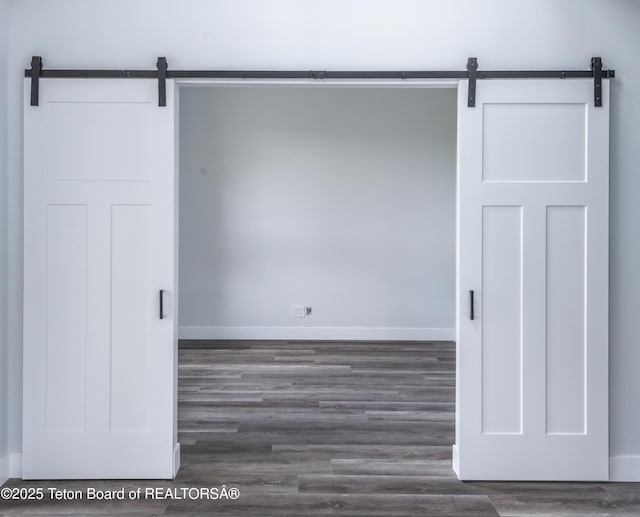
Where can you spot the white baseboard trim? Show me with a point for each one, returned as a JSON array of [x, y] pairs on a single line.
[[624, 468], [4, 468], [319, 333], [455, 459], [176, 460], [15, 465]]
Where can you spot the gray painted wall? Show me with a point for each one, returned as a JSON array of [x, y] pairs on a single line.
[[358, 34], [4, 343], [341, 199]]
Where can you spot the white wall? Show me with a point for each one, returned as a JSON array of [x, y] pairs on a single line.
[[4, 343], [340, 199], [361, 34]]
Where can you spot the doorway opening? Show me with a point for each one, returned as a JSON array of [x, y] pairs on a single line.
[[317, 267]]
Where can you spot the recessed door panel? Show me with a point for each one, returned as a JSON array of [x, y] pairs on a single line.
[[66, 318], [566, 318], [534, 142], [82, 146], [502, 319], [132, 313]]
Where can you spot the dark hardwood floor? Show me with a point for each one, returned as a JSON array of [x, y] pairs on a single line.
[[313, 428]]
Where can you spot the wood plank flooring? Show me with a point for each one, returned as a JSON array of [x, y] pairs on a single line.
[[313, 428]]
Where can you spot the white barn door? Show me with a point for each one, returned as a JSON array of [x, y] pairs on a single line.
[[532, 371], [99, 361]]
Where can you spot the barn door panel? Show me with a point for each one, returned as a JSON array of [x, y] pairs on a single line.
[[532, 383], [99, 364]]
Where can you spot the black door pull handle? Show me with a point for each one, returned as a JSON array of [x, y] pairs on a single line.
[[161, 304], [471, 308]]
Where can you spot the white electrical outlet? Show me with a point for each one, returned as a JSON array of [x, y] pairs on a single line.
[[298, 311]]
